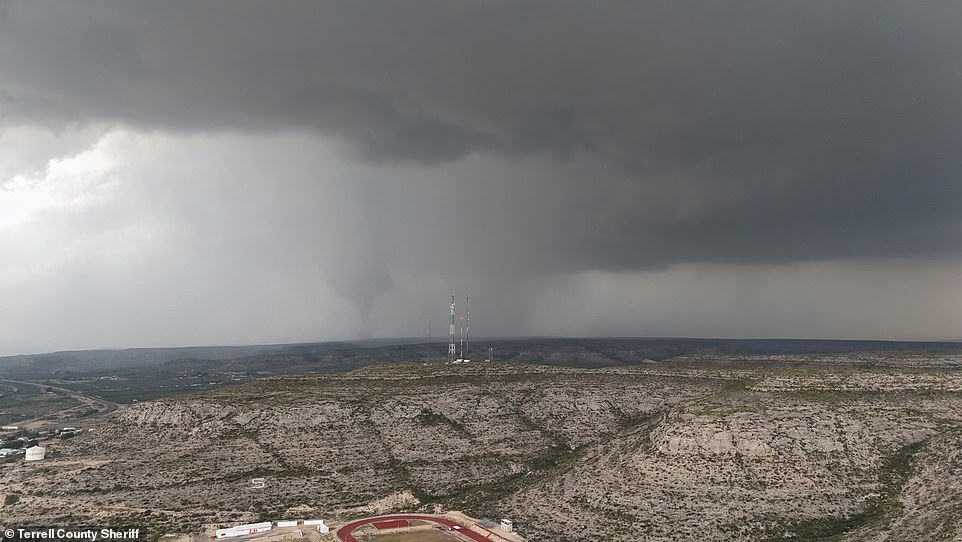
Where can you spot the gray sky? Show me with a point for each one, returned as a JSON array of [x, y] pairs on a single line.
[[240, 172]]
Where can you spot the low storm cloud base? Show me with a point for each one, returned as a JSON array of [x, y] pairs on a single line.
[[221, 172]]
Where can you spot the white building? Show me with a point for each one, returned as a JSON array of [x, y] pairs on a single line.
[[507, 525], [321, 528], [35, 453], [241, 530]]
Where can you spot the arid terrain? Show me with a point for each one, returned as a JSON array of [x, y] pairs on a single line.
[[701, 447]]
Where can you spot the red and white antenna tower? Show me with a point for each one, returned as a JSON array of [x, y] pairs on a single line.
[[452, 349]]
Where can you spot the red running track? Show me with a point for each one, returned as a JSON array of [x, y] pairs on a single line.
[[391, 524], [344, 533]]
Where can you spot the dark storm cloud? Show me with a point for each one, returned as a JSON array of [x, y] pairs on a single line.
[[754, 132]]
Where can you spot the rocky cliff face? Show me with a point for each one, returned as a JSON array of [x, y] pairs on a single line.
[[650, 453]]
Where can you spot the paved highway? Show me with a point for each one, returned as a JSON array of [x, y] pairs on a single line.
[[102, 405]]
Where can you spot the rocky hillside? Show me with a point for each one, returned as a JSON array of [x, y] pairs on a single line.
[[659, 452]]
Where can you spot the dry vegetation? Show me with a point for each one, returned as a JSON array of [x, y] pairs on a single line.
[[793, 448]]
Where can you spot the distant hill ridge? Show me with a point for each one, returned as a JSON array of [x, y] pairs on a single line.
[[346, 355]]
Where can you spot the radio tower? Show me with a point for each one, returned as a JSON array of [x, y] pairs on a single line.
[[467, 329], [452, 349]]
